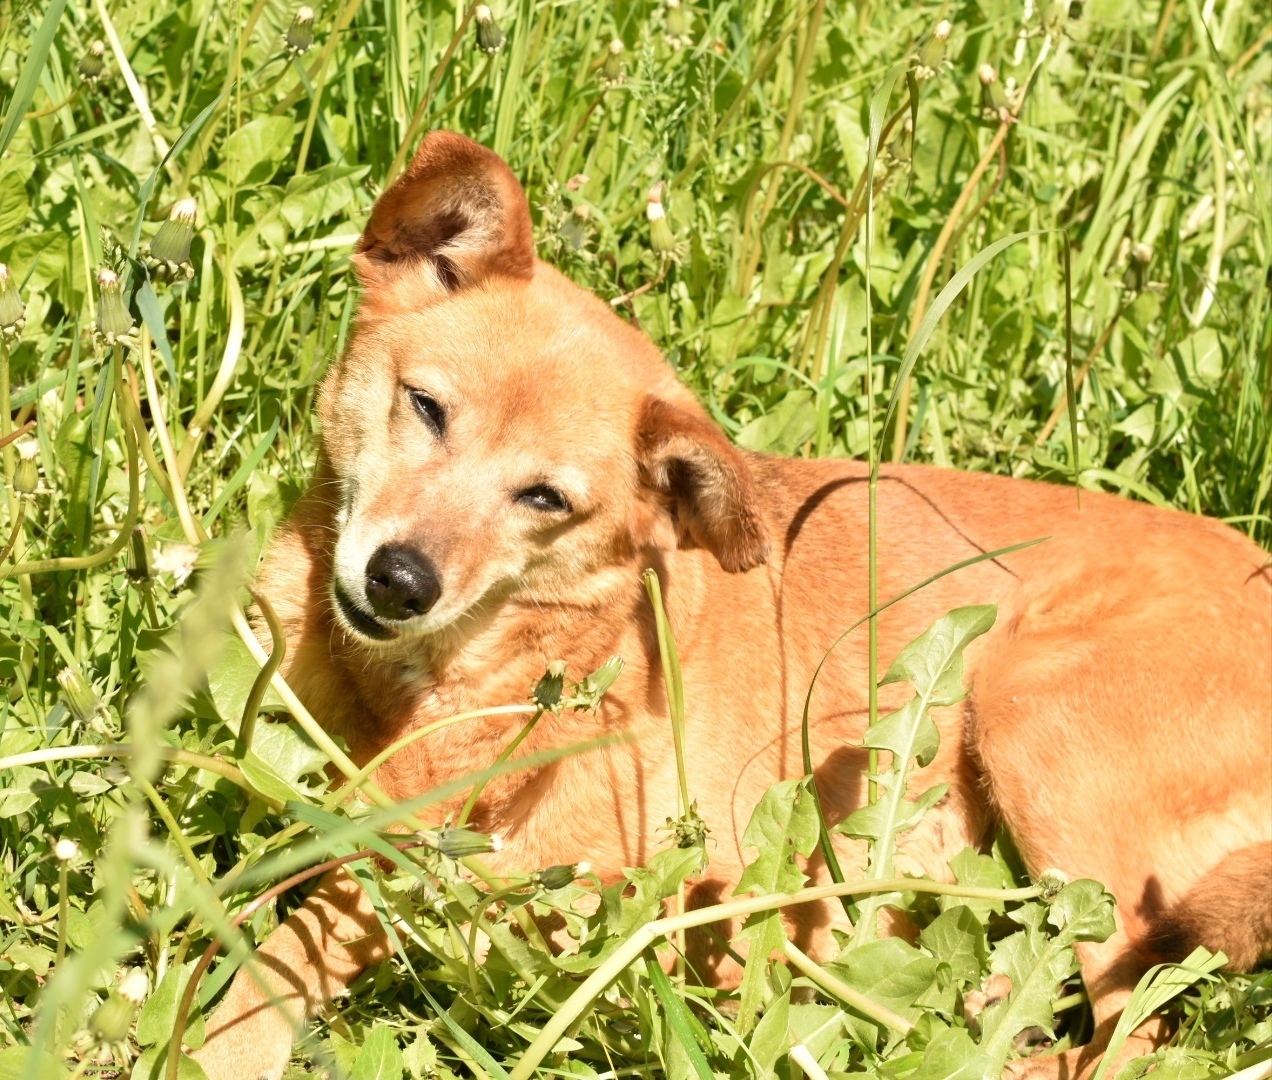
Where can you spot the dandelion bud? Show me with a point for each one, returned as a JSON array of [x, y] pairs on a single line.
[[81, 698], [547, 691], [1136, 278], [932, 51], [25, 475], [170, 249], [588, 693], [110, 1023], [993, 96], [138, 567], [612, 69], [92, 63], [12, 309], [1051, 882], [460, 843], [558, 877], [114, 324], [490, 39], [677, 26], [573, 229], [604, 677], [661, 238], [300, 35], [134, 986], [66, 850]]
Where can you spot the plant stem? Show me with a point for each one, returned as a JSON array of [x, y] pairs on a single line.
[[135, 89], [639, 940], [854, 999], [168, 753], [1005, 125], [198, 425], [671, 678], [504, 755], [934, 264], [63, 905], [799, 83], [278, 650], [97, 558]]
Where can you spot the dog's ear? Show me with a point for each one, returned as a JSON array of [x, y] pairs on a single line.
[[457, 213], [705, 480]]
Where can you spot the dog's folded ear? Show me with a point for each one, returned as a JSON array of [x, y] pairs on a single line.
[[455, 217], [705, 481]]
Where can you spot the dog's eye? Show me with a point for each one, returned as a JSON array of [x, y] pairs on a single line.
[[430, 411], [544, 498]]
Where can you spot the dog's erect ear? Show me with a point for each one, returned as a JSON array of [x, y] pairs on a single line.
[[688, 461], [457, 211]]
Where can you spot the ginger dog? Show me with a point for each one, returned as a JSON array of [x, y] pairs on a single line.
[[502, 456]]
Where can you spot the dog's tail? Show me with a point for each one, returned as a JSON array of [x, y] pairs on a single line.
[[1228, 910]]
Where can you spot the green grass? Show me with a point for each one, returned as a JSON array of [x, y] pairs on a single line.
[[1144, 139]]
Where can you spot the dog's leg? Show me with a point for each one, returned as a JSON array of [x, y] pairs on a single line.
[[1089, 785], [333, 936]]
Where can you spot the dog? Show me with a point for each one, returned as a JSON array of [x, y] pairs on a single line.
[[502, 455]]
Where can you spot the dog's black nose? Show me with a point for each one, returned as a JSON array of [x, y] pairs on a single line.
[[401, 583]]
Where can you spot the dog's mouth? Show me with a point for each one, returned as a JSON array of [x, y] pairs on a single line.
[[362, 623]]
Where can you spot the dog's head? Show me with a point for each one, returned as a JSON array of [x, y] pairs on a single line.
[[496, 433]]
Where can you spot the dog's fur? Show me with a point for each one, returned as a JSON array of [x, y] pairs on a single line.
[[1119, 721]]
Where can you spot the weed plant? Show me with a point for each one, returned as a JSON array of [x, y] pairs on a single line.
[[711, 169]]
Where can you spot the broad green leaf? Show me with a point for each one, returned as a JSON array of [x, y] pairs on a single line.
[[786, 427], [153, 1065], [783, 825], [957, 938], [770, 1040], [19, 792], [817, 1026], [907, 731], [952, 1055], [420, 1057], [379, 1058], [13, 204], [983, 871], [928, 661], [320, 195], [231, 681], [280, 757], [254, 152], [27, 1063], [933, 665], [764, 935], [1083, 911], [873, 820], [620, 914], [158, 1016], [888, 971], [1036, 964]]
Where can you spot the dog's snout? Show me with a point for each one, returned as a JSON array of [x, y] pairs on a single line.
[[401, 583]]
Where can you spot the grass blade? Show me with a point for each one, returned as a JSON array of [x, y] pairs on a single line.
[[29, 79]]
